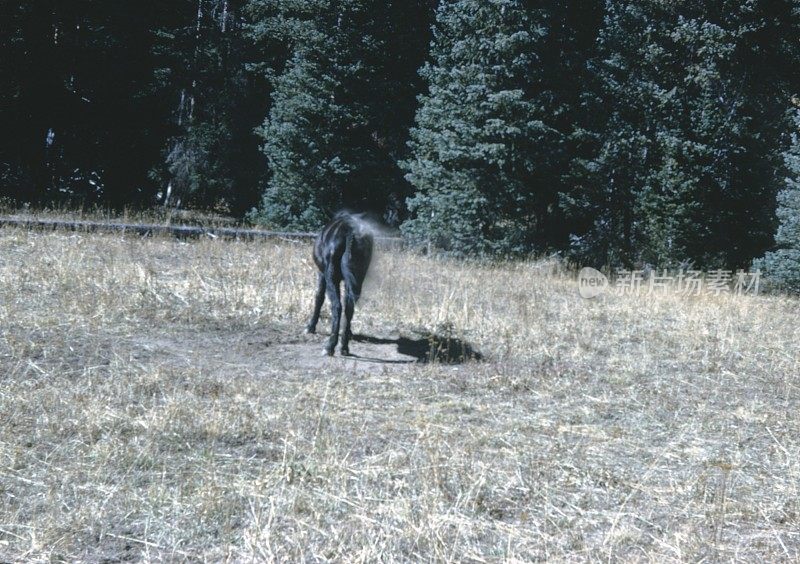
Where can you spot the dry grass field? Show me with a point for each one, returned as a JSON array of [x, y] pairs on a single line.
[[159, 401]]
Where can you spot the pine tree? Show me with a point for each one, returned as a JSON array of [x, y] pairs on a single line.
[[601, 200], [781, 267], [342, 99], [487, 155], [210, 156], [691, 128]]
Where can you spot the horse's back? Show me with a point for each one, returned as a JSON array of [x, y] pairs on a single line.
[[332, 242]]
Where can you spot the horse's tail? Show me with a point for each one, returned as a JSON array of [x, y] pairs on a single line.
[[349, 243], [356, 259]]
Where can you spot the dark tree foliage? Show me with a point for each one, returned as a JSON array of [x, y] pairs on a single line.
[[491, 139], [108, 103], [210, 155], [76, 124], [343, 100], [615, 132], [782, 266], [693, 122]]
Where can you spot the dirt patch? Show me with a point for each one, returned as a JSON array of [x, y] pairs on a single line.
[[266, 347], [293, 348]]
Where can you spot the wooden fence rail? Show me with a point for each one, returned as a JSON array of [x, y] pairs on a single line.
[[181, 231]]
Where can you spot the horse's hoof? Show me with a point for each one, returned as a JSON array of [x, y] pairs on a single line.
[[311, 330], [345, 352], [327, 351]]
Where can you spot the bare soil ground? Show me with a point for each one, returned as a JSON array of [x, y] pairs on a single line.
[[282, 344], [159, 401]]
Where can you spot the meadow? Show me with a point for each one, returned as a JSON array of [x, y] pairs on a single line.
[[159, 401]]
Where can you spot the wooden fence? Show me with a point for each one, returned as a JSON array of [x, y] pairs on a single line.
[[181, 231]]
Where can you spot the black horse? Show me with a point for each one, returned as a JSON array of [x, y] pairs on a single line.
[[342, 251]]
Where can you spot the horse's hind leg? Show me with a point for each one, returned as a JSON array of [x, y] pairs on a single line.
[[332, 288], [352, 289], [349, 308], [319, 299]]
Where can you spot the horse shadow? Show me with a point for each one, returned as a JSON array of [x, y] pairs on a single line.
[[427, 349]]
